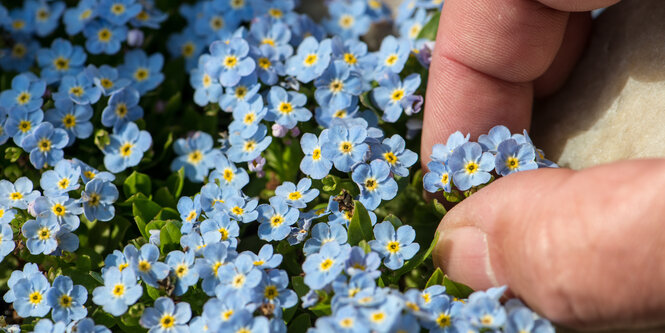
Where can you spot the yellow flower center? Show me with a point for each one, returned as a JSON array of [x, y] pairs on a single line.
[[346, 323], [141, 74], [237, 210], [374, 4], [350, 58], [228, 174], [392, 247], [69, 120], [118, 290], [195, 157], [392, 59], [276, 221], [241, 92], [144, 266], [276, 13], [268, 41], [192, 215], [378, 317], [265, 63], [226, 315], [390, 158], [311, 59], [143, 15], [371, 184], [18, 24], [188, 49], [249, 146], [59, 210], [512, 163], [44, 145], [216, 23], [346, 147], [206, 80], [94, 200], [316, 154], [89, 174], [167, 321], [65, 301], [285, 107], [270, 292], [326, 264], [106, 83], [224, 232], [238, 281], [340, 114], [487, 320], [237, 4], [16, 196], [471, 167], [249, 118], [126, 149], [23, 98], [415, 30], [181, 270], [346, 21], [412, 306], [76, 91], [19, 50], [35, 298], [295, 195], [445, 178], [118, 9], [104, 35], [397, 95], [443, 320], [85, 14], [122, 266], [230, 61], [44, 233], [216, 266], [259, 262], [336, 86], [24, 126], [61, 63]]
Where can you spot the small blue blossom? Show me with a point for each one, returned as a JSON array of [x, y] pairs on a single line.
[[120, 290], [76, 18], [20, 22], [30, 296], [470, 166], [441, 313], [246, 149], [103, 37], [323, 267], [239, 276], [65, 210], [6, 240], [26, 93], [45, 145], [302, 26], [182, 266], [311, 59], [393, 151], [521, 319], [189, 210], [269, 63], [166, 316], [195, 241], [323, 233], [98, 198], [512, 157], [228, 175], [188, 45], [337, 85], [230, 62], [207, 88], [220, 223], [247, 116], [61, 59], [106, 79], [212, 23], [73, 118], [348, 19], [145, 263], [123, 107], [21, 123], [484, 311], [412, 27], [149, 17], [273, 290], [80, 89], [438, 177], [118, 12], [214, 256], [89, 173], [87, 325], [41, 234], [47, 15], [17, 195], [394, 246], [212, 195], [360, 262], [345, 146], [29, 271], [47, 326], [196, 155], [441, 152], [116, 259], [346, 290], [126, 148], [392, 55], [20, 55], [144, 71], [245, 322], [394, 96], [246, 89], [297, 196], [313, 163], [276, 219], [375, 183], [266, 258], [240, 209], [275, 35], [67, 300], [287, 108], [353, 54]]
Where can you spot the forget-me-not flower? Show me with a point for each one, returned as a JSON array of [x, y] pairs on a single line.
[[246, 149], [29, 296], [17, 195], [80, 89], [40, 234], [145, 263], [123, 107], [311, 59], [61, 59], [394, 96], [182, 266], [45, 145], [230, 62], [166, 316], [107, 79], [127, 146], [512, 157], [287, 108], [104, 37], [375, 183], [67, 300], [65, 210], [73, 118], [195, 154], [276, 219], [470, 166], [144, 71], [323, 267], [394, 246], [345, 146], [120, 290], [26, 93], [98, 198]]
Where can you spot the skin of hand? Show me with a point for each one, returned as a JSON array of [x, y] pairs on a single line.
[[584, 248]]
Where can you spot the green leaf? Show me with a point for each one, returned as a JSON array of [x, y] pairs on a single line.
[[102, 318], [174, 103], [13, 153], [418, 258], [363, 244], [439, 210], [169, 237], [431, 27], [329, 183], [394, 220], [102, 139], [167, 214], [152, 292], [175, 182], [300, 324], [144, 211], [164, 198], [135, 183], [456, 289], [360, 227], [154, 224], [97, 277], [436, 278], [299, 286], [453, 196]]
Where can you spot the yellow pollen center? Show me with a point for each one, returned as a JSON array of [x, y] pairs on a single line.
[[392, 247], [44, 145], [35, 298], [61, 63], [227, 314], [85, 14], [346, 147], [326, 264], [216, 23], [249, 146], [487, 320], [295, 195], [18, 24], [228, 174], [336, 86], [44, 233], [443, 320], [237, 4], [24, 126], [216, 266], [512, 163], [126, 149], [340, 114], [106, 83], [192, 215], [181, 270], [471, 167], [122, 266], [316, 154], [249, 118], [238, 281], [390, 158], [350, 59], [69, 120], [397, 95], [23, 98], [230, 61], [206, 80], [19, 50], [118, 9], [104, 35], [346, 323], [346, 21], [143, 15], [237, 210], [265, 63], [89, 174], [76, 91], [118, 290], [16, 196], [445, 178], [144, 266], [311, 59], [371, 184], [276, 221], [268, 41], [412, 306], [276, 13], [195, 157], [241, 92], [271, 292], [224, 232], [141, 74], [285, 107], [167, 321], [392, 59], [188, 49], [94, 200], [415, 30], [65, 301], [377, 317], [59, 210]]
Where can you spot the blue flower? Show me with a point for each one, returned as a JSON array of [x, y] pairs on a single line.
[[240, 209], [513, 157], [195, 241], [348, 20], [45, 145], [103, 37], [345, 146], [80, 89], [20, 22], [337, 85], [363, 263], [116, 259], [297, 196], [323, 267], [47, 326], [186, 44], [65, 210], [106, 79], [266, 258], [166, 316], [245, 149], [273, 290], [118, 12], [76, 18], [67, 300], [394, 96], [241, 10], [73, 118], [219, 312], [6, 214], [270, 65], [412, 27], [214, 256], [30, 296], [98, 198], [212, 24], [239, 276], [375, 183], [392, 55], [228, 175], [61, 59], [394, 247], [20, 55], [41, 234], [230, 62], [17, 195], [441, 314], [323, 233], [313, 163], [28, 271], [207, 88], [47, 16], [345, 291], [275, 35], [437, 178], [6, 240], [470, 166], [87, 325], [311, 60], [144, 71], [144, 263], [149, 17], [244, 91], [345, 319], [195, 154], [247, 116], [212, 195], [245, 322], [441, 152], [484, 311], [120, 290], [26, 93], [352, 54], [521, 319], [126, 147], [302, 26], [287, 108], [189, 213], [21, 124], [220, 224], [276, 10], [123, 107], [89, 173], [383, 316], [276, 219], [182, 266], [393, 151]]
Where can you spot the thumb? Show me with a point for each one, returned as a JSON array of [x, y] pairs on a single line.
[[583, 248]]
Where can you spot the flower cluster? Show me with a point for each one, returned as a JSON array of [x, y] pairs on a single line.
[[279, 191]]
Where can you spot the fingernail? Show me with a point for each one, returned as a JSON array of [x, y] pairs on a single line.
[[464, 255]]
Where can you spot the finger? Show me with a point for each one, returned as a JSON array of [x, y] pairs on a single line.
[[578, 5], [574, 43], [584, 248]]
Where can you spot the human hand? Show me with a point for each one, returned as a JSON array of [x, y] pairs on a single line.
[[582, 248]]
